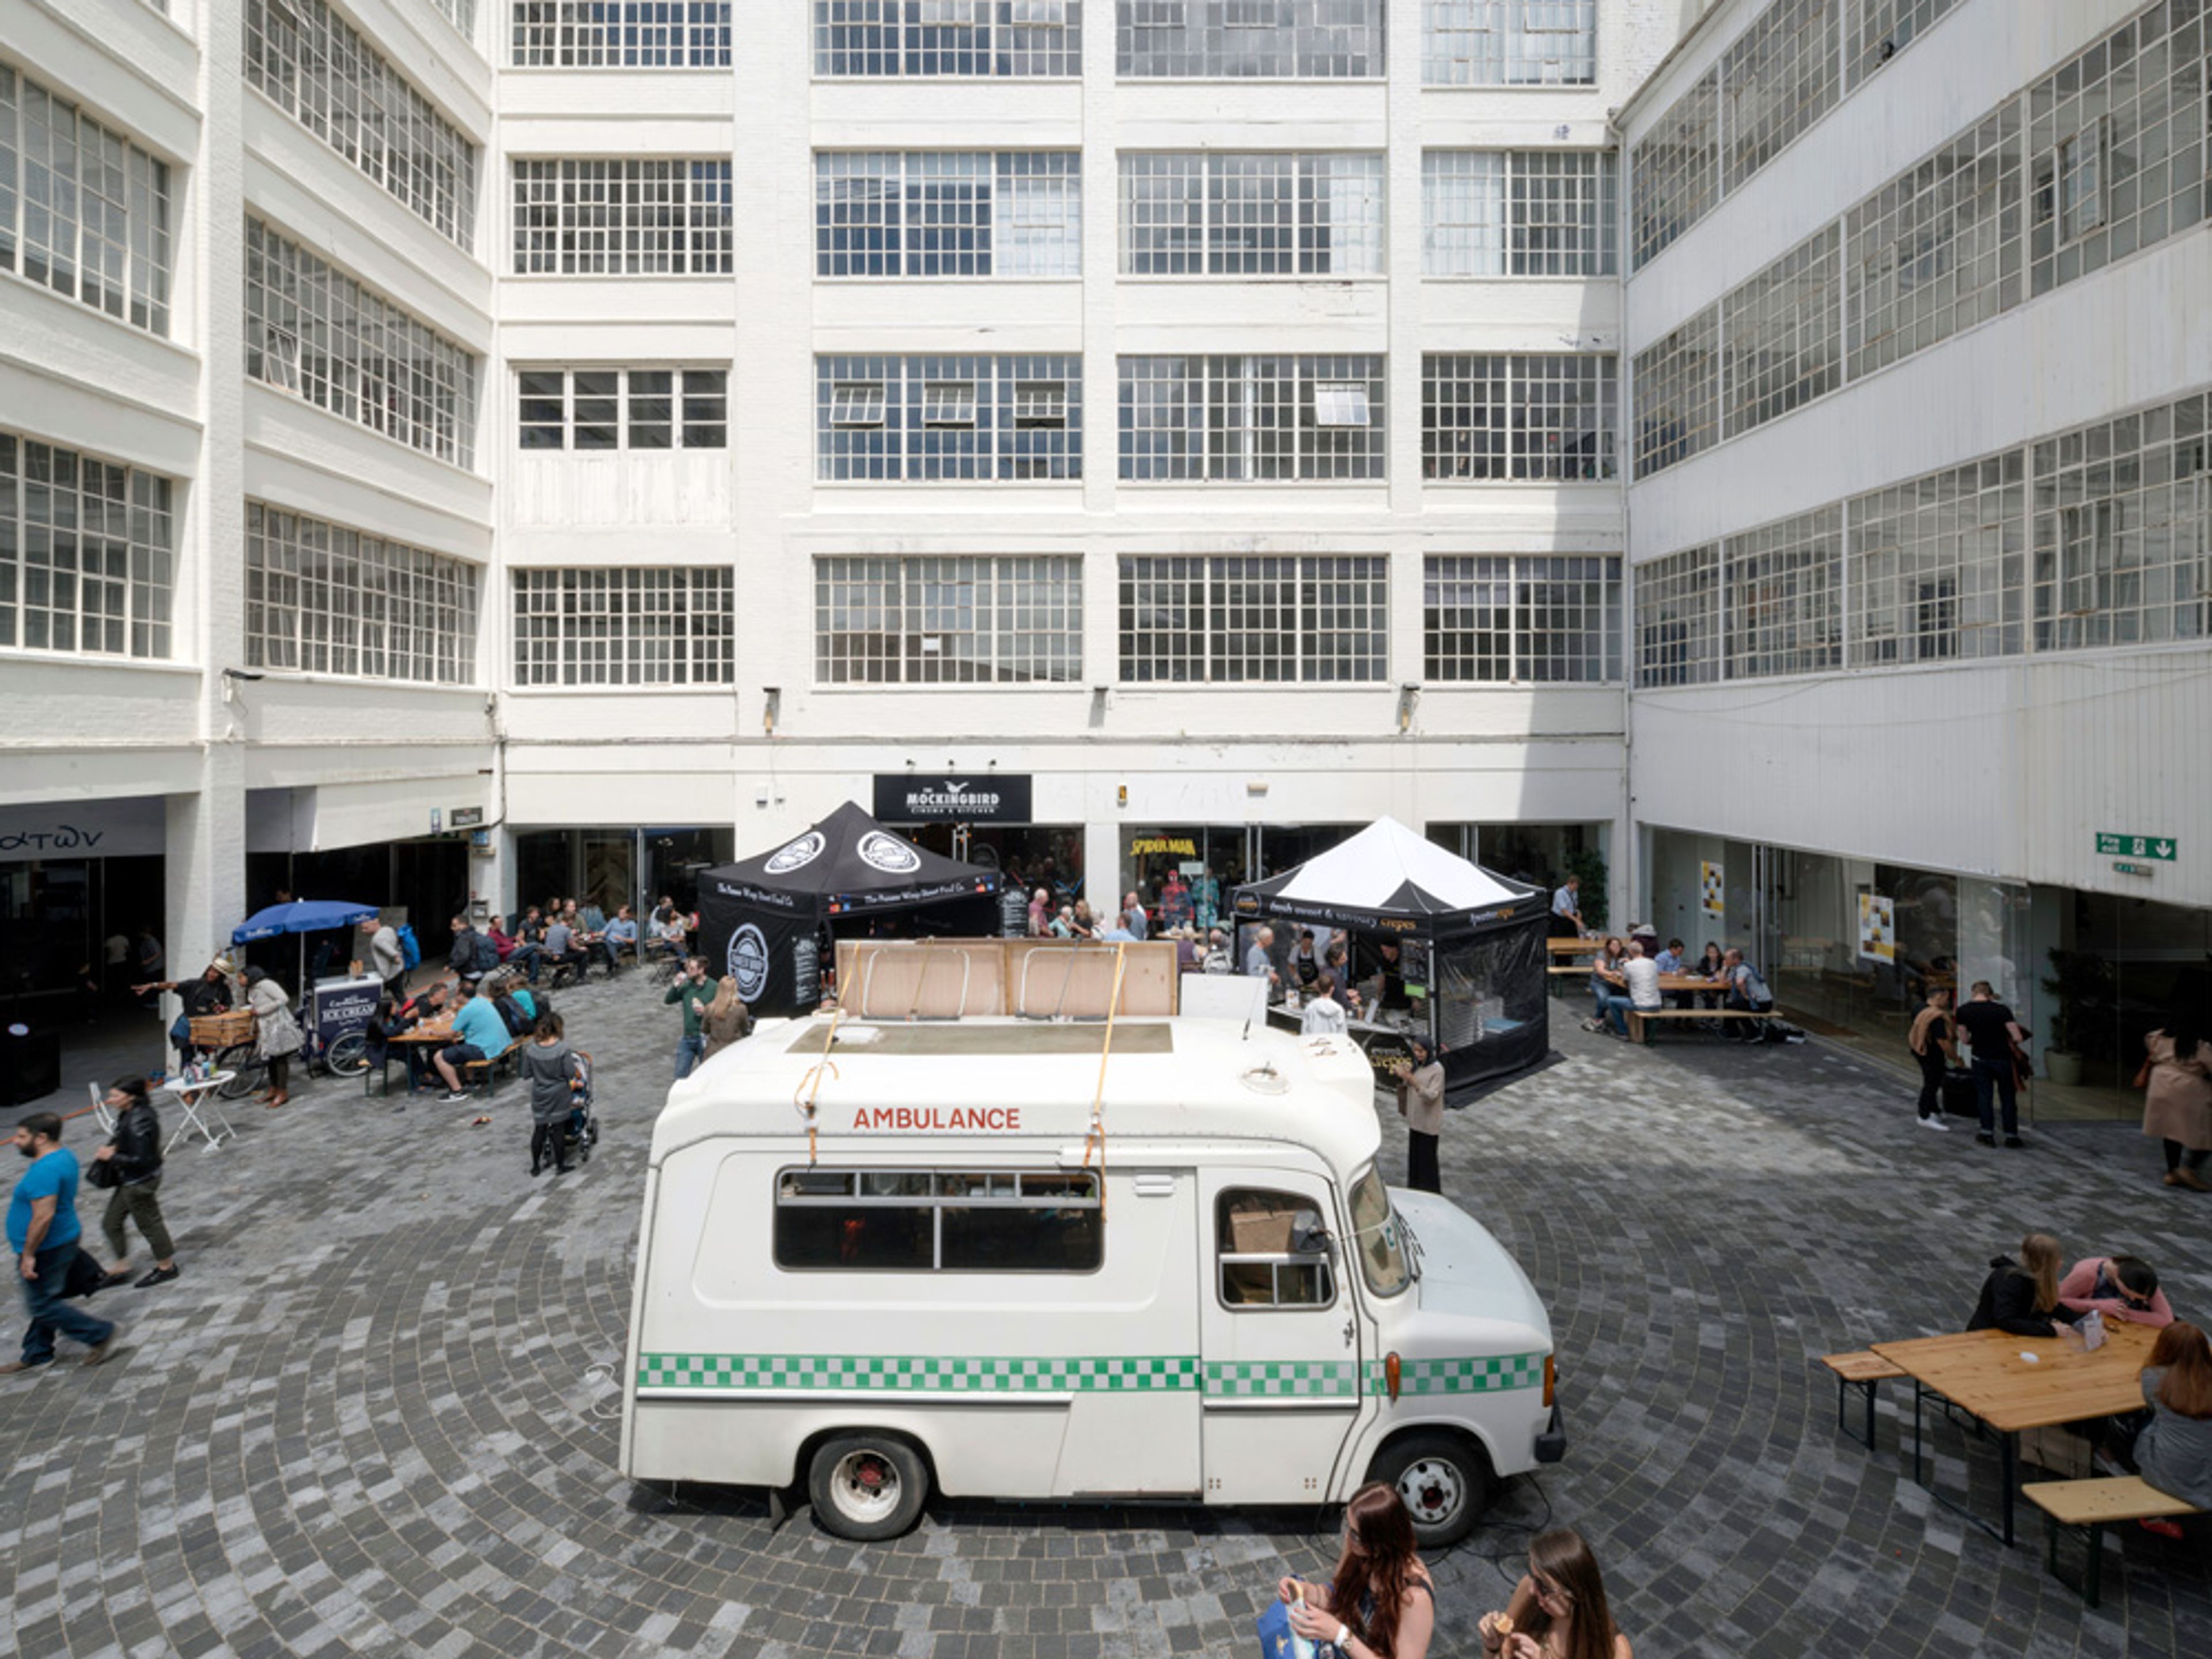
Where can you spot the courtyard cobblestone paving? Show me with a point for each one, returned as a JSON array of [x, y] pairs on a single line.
[[377, 1414]]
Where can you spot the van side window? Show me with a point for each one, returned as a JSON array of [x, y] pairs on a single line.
[[1255, 1246], [939, 1220]]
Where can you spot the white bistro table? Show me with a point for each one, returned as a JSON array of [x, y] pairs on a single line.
[[197, 1098]]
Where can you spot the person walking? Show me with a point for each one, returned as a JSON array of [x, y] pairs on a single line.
[[1991, 1027], [549, 1065], [1935, 1045], [134, 1152], [2178, 1100], [696, 994], [42, 1234], [1421, 1104], [278, 1034], [387, 960], [727, 1020]]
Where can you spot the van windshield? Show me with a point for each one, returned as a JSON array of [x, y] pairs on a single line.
[[1375, 1236]]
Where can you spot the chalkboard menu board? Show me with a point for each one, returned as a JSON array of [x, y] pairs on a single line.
[[1013, 913]]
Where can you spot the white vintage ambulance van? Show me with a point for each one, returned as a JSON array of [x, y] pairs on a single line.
[[905, 1259]]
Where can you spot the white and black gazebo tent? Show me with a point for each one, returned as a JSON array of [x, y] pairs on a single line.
[[1470, 941]]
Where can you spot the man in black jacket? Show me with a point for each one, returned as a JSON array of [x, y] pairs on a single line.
[[474, 956], [134, 1152]]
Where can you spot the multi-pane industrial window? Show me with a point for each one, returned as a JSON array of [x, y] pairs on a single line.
[[1879, 30], [1224, 214], [622, 33], [1678, 394], [1537, 618], [1938, 249], [1936, 567], [1492, 418], [325, 599], [311, 329], [1516, 213], [660, 218], [1674, 170], [588, 409], [314, 66], [2123, 532], [957, 620], [1271, 39], [2118, 137], [1512, 43], [87, 559], [1782, 335], [1678, 619], [1260, 619], [1187, 419], [1025, 38], [948, 213], [657, 626], [917, 419], [1775, 81], [83, 210], [1782, 587], [461, 14]]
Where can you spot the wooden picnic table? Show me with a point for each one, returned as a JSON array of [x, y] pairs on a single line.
[[1574, 947], [2014, 1382]]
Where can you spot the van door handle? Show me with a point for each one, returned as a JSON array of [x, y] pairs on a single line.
[[1347, 1332]]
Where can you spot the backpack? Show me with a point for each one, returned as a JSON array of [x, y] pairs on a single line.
[[410, 953], [518, 1022]]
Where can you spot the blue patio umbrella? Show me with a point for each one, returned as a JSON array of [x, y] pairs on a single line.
[[301, 916]]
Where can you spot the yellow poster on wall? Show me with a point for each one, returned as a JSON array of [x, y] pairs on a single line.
[[1877, 927], [1711, 890]]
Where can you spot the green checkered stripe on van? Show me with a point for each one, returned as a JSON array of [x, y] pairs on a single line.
[[1282, 1379], [743, 1373], [1465, 1376]]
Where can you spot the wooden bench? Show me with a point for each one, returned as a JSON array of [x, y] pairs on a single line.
[[1865, 1370], [2088, 1507], [1640, 1021], [1573, 970], [481, 1072]]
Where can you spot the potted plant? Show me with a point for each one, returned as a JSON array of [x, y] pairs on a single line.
[[2079, 985]]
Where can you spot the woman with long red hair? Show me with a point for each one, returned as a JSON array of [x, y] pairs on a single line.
[[2173, 1450], [1558, 1609], [1380, 1602]]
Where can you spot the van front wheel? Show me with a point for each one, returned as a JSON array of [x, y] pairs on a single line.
[[1445, 1483], [866, 1486]]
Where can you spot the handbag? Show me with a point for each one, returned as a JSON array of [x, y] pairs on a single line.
[[84, 1276], [103, 1174], [1277, 1639], [2142, 1074]]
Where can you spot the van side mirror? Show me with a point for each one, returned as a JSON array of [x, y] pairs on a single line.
[[1309, 1237]]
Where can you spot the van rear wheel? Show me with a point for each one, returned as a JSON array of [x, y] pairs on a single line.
[[866, 1486], [1445, 1483]]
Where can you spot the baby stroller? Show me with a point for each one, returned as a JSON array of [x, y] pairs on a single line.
[[582, 1132]]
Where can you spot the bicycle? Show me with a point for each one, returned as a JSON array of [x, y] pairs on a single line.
[[344, 1056]]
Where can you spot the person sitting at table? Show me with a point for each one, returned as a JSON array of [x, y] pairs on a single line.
[[621, 935], [2172, 1449], [1216, 959], [2116, 1286], [1671, 962], [478, 1033], [1323, 1016], [2021, 1297], [591, 917], [560, 949], [1605, 970], [665, 932], [1638, 977]]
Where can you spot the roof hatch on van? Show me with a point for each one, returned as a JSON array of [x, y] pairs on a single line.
[[919, 1041]]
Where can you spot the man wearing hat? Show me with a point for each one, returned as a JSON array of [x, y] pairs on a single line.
[[211, 994]]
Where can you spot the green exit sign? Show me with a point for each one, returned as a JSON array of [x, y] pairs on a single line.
[[2112, 846]]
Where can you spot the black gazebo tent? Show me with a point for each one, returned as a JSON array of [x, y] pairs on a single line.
[[763, 919], [1471, 942]]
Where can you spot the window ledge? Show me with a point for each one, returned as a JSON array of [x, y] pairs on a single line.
[[25, 654], [724, 689], [324, 676]]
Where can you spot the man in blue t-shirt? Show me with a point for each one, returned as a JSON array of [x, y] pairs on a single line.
[[478, 1033], [42, 1235]]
